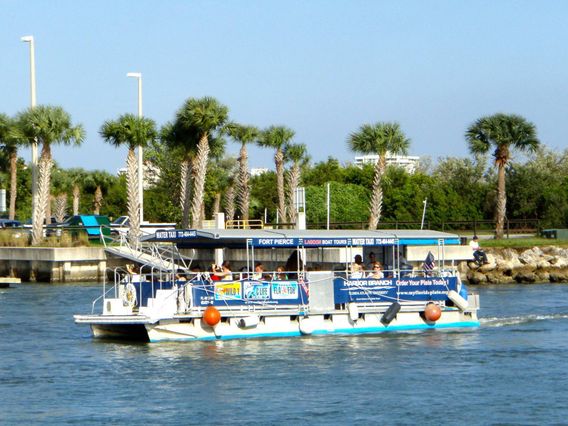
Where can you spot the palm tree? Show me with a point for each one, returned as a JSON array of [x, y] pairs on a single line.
[[134, 132], [276, 137], [77, 177], [296, 153], [379, 139], [183, 144], [230, 201], [503, 132], [47, 125], [97, 183], [183, 141], [10, 143], [201, 118], [243, 135]]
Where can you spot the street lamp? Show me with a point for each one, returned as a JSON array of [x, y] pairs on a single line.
[[138, 75], [30, 39]]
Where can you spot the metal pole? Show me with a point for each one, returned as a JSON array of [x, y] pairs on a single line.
[[423, 213], [140, 158], [30, 39], [328, 203]]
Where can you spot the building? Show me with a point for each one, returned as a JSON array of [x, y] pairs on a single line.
[[257, 171], [151, 174], [408, 162]]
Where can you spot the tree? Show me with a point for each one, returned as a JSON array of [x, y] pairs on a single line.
[[47, 125], [10, 144], [503, 132], [182, 142], [296, 153], [200, 119], [243, 135], [276, 137], [379, 139], [133, 132]]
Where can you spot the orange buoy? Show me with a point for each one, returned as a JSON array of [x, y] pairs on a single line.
[[211, 316], [432, 312]]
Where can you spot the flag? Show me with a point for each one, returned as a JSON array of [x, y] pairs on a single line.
[[304, 286], [429, 262]]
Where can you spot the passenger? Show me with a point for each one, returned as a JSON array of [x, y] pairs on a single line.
[[280, 274], [376, 271], [132, 274], [372, 260], [357, 267], [478, 254], [214, 272], [258, 271], [226, 274]]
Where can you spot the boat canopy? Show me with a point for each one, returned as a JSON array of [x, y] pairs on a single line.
[[274, 238]]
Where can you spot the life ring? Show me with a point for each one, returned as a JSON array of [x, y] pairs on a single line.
[[129, 295]]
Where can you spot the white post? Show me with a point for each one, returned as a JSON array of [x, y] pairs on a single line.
[[301, 221], [30, 39], [219, 224], [328, 204], [140, 158], [423, 213]]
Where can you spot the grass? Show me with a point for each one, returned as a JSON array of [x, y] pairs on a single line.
[[523, 242]]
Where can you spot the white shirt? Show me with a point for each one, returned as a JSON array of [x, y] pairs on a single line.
[[474, 245]]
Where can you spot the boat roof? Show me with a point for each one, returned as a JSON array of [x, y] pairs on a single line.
[[269, 238]]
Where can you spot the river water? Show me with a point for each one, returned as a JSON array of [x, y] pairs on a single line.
[[512, 370]]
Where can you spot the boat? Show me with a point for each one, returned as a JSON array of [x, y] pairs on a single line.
[[174, 296]]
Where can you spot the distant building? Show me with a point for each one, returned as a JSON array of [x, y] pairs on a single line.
[[407, 162], [257, 171], [151, 174]]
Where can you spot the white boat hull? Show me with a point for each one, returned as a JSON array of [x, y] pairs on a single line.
[[185, 328]]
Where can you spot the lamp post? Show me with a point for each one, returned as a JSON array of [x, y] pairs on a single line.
[[30, 39], [138, 76]]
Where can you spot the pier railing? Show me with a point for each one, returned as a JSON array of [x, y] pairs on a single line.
[[512, 226]]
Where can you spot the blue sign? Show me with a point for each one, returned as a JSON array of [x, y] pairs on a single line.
[[250, 292], [168, 235], [345, 242], [416, 289]]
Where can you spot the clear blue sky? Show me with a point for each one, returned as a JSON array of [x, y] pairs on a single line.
[[321, 67]]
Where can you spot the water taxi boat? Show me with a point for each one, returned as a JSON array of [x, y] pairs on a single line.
[[320, 291]]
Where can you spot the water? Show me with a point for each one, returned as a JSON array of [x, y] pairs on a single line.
[[512, 370]]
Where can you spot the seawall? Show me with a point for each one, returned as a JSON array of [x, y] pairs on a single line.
[[534, 265], [56, 265]]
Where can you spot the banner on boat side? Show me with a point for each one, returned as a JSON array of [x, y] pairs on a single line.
[[368, 290], [251, 292], [344, 242]]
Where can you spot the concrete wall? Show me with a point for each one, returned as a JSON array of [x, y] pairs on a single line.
[[46, 264]]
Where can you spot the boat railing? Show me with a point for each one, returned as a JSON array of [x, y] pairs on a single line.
[[113, 287]]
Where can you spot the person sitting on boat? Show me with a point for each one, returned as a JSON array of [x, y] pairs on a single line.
[[132, 274], [478, 254], [372, 260], [280, 274], [357, 267], [259, 272], [224, 272], [376, 271]]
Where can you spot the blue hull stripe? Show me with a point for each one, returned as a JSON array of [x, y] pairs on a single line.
[[354, 331]]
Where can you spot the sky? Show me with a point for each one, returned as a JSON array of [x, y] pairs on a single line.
[[320, 67]]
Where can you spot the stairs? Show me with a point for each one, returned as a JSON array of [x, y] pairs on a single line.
[[158, 257]]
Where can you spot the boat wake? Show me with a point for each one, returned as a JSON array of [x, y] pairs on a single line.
[[507, 321]]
